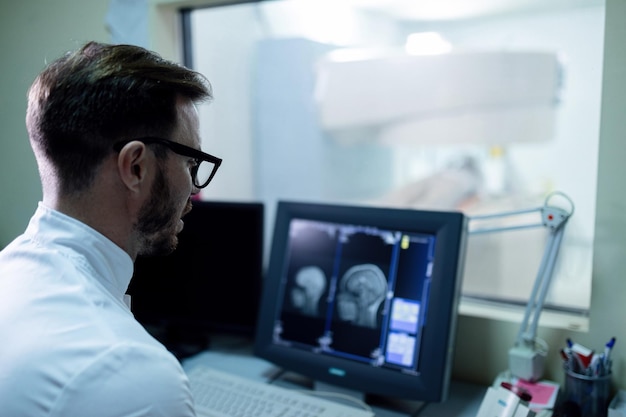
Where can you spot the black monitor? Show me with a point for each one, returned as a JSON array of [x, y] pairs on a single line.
[[364, 298], [210, 284]]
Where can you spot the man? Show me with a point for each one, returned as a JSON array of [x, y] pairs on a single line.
[[115, 133]]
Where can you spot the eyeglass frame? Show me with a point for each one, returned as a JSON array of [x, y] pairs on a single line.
[[183, 150]]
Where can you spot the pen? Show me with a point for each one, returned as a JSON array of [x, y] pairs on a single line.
[[523, 395], [594, 368], [607, 352], [569, 361]]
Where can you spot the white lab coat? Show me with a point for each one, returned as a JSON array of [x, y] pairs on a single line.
[[69, 344]]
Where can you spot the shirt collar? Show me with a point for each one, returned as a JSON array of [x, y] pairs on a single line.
[[112, 266]]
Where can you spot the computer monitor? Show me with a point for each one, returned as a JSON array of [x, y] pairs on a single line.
[[364, 298], [210, 284]]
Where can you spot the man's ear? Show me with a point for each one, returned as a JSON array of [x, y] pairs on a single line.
[[132, 165]]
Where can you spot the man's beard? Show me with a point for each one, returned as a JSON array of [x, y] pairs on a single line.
[[158, 220]]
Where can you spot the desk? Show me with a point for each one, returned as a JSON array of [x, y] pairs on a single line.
[[463, 400]]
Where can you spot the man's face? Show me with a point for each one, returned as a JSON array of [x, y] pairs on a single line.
[[159, 221]]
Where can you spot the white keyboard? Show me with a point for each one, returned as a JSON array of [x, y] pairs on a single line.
[[221, 394]]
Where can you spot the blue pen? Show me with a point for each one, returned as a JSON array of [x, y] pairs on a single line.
[[607, 352], [595, 367]]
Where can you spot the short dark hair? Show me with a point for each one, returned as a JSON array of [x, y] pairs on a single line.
[[82, 103]]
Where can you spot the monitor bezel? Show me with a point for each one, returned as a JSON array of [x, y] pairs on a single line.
[[432, 383]]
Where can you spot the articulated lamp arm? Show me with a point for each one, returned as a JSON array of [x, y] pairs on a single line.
[[527, 357], [554, 219]]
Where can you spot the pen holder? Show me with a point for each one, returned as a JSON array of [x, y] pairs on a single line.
[[589, 393]]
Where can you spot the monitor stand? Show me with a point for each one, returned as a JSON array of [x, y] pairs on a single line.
[[463, 400], [339, 394], [357, 399]]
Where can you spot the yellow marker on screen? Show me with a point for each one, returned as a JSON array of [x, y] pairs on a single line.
[[405, 242]]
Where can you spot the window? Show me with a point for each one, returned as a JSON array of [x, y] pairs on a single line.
[[268, 122]]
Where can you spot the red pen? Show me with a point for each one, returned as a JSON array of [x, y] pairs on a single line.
[[523, 395]]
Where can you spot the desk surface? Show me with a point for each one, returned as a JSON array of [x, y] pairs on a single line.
[[463, 400]]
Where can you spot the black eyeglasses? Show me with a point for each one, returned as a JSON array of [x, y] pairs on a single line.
[[206, 165]]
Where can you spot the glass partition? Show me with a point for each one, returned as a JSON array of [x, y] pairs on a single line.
[[482, 111]]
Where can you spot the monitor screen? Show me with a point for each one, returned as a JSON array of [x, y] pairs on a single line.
[[364, 298], [210, 284]]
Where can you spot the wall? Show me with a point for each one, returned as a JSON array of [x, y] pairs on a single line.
[[609, 290], [33, 30]]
